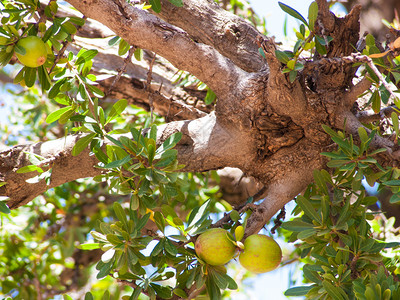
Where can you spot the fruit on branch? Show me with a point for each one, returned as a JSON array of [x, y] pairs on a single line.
[[214, 247], [261, 254], [35, 51]]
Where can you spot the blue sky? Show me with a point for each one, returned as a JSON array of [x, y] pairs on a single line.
[[275, 16]]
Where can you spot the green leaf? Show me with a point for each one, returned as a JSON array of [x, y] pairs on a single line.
[[82, 144], [292, 76], [312, 14], [120, 213], [369, 200], [136, 293], [181, 293], [170, 248], [113, 41], [296, 225], [234, 215], [321, 49], [396, 76], [170, 142], [167, 158], [212, 289], [159, 220], [294, 13], [370, 40], [155, 5], [44, 78], [307, 207], [371, 73], [376, 101], [30, 168], [55, 115], [4, 208], [86, 56], [362, 133], [117, 109], [395, 198], [106, 296], [162, 291], [113, 239], [95, 90], [392, 182], [261, 51], [67, 297], [178, 3], [118, 163], [210, 97], [30, 76], [332, 290], [89, 296], [89, 246], [297, 291], [395, 121], [19, 49], [198, 214], [306, 233], [158, 248], [282, 56], [320, 181], [138, 54]]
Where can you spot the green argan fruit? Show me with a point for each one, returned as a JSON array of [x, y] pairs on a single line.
[[261, 254], [214, 247], [36, 53]]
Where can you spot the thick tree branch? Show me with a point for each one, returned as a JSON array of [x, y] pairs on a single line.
[[286, 184], [369, 116], [65, 168], [352, 124], [206, 22], [205, 145], [356, 91], [147, 31], [169, 101]]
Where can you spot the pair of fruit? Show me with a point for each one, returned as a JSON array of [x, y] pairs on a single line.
[[34, 52], [260, 254]]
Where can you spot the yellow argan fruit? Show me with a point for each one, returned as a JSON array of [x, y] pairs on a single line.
[[35, 51], [261, 254], [214, 247]]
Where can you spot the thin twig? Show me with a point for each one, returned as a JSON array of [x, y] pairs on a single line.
[[122, 70], [356, 91], [380, 76], [368, 117], [148, 86], [196, 292]]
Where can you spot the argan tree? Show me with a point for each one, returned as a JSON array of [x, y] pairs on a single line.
[[114, 139]]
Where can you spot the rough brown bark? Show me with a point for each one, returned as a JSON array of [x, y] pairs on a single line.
[[263, 124], [372, 13]]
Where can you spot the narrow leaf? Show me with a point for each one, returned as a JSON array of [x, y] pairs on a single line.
[[155, 5], [298, 291], [177, 3], [82, 143], [312, 14], [307, 207], [294, 13], [4, 208], [55, 115]]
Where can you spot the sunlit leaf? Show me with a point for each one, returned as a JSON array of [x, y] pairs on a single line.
[[294, 13]]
